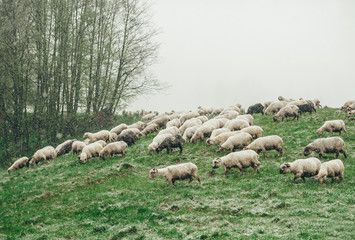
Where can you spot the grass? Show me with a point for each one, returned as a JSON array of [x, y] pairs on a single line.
[[114, 199]]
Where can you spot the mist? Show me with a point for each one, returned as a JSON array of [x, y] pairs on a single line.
[[219, 53]]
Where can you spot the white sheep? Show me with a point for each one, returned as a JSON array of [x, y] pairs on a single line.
[[190, 123], [247, 117], [203, 118], [333, 168], [161, 120], [176, 172], [172, 130], [78, 146], [113, 148], [118, 129], [266, 104], [301, 168], [101, 135], [187, 116], [287, 111], [281, 98], [326, 145], [157, 140], [173, 123], [150, 128], [229, 114], [274, 107], [218, 131], [19, 163], [91, 150], [46, 153], [332, 126], [241, 160], [149, 116], [350, 112], [64, 147], [202, 132], [236, 124], [254, 131], [238, 141], [221, 138], [139, 125], [347, 104], [189, 132], [264, 144]]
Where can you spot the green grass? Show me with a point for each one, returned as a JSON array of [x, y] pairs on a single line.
[[114, 199]]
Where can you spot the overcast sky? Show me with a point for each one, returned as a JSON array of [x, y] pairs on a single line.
[[219, 53]]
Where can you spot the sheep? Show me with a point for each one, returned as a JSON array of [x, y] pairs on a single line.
[[287, 111], [173, 123], [91, 150], [247, 117], [326, 145], [221, 138], [149, 129], [303, 108], [350, 112], [176, 172], [230, 114], [136, 132], [346, 105], [242, 159], [78, 146], [64, 147], [189, 132], [236, 124], [238, 141], [118, 129], [128, 137], [161, 120], [113, 137], [113, 148], [187, 116], [171, 142], [139, 125], [332, 126], [274, 107], [190, 123], [203, 131], [204, 111], [301, 168], [256, 108], [46, 153], [254, 131], [149, 116], [171, 130], [101, 135], [218, 131], [217, 111], [333, 168], [266, 104], [264, 144], [203, 118], [316, 102], [157, 140], [281, 98], [19, 163]]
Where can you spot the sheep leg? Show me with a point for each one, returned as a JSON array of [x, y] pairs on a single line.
[[173, 180], [190, 180], [264, 152], [296, 176], [280, 152], [304, 180], [337, 154], [180, 148], [227, 171], [341, 177], [343, 152]]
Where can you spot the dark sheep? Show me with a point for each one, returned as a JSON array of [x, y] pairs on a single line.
[[128, 137], [171, 142], [256, 108], [306, 108]]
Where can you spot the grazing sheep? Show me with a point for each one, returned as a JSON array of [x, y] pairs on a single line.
[[136, 132], [303, 108], [128, 137], [113, 148], [316, 102], [46, 153], [64, 147], [171, 130], [101, 135], [333, 168], [332, 126], [256, 108], [173, 123], [275, 107], [118, 129], [149, 116], [350, 112], [113, 137], [19, 163], [202, 118], [254, 131], [229, 114], [176, 172], [190, 123], [281, 98], [202, 132], [171, 142], [157, 140], [326, 145], [241, 160], [238, 141], [161, 121], [221, 138], [187, 116], [189, 132], [347, 104], [266, 104], [301, 168], [139, 125], [91, 150], [149, 129], [287, 111], [264, 144], [236, 124], [218, 131], [247, 117], [78, 146]]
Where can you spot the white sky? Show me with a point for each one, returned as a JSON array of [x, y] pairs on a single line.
[[219, 53]]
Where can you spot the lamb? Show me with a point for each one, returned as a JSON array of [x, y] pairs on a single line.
[[264, 144], [247, 117], [136, 132], [326, 145], [19, 163], [187, 116], [190, 123], [238, 141], [287, 111], [218, 131], [173, 123], [189, 132], [301, 168], [333, 168], [176, 172], [151, 128], [113, 148], [241, 160], [236, 124], [46, 153], [332, 126], [101, 135], [64, 147], [78, 146], [118, 129], [202, 132], [91, 150], [171, 142], [139, 125], [157, 140], [221, 138], [274, 107], [128, 137], [254, 131], [256, 108], [172, 131]]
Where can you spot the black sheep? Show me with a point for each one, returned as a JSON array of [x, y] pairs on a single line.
[[306, 108], [128, 137], [171, 142], [256, 108]]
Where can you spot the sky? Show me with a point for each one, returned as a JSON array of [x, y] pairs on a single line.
[[219, 53]]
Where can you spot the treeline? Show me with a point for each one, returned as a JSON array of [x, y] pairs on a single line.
[[59, 58]]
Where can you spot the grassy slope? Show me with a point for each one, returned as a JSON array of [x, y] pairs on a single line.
[[103, 199]]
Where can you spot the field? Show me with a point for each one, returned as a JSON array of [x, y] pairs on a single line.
[[114, 199]]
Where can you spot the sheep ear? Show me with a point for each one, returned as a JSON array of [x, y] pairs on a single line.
[[155, 170], [287, 165]]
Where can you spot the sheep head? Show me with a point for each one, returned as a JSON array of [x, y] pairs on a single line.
[[285, 168], [217, 162], [307, 151], [319, 132], [153, 173]]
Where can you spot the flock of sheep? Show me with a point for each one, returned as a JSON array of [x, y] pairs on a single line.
[[230, 129]]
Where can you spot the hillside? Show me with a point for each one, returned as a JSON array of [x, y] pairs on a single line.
[[114, 199]]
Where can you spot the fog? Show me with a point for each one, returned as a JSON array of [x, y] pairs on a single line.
[[219, 53]]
